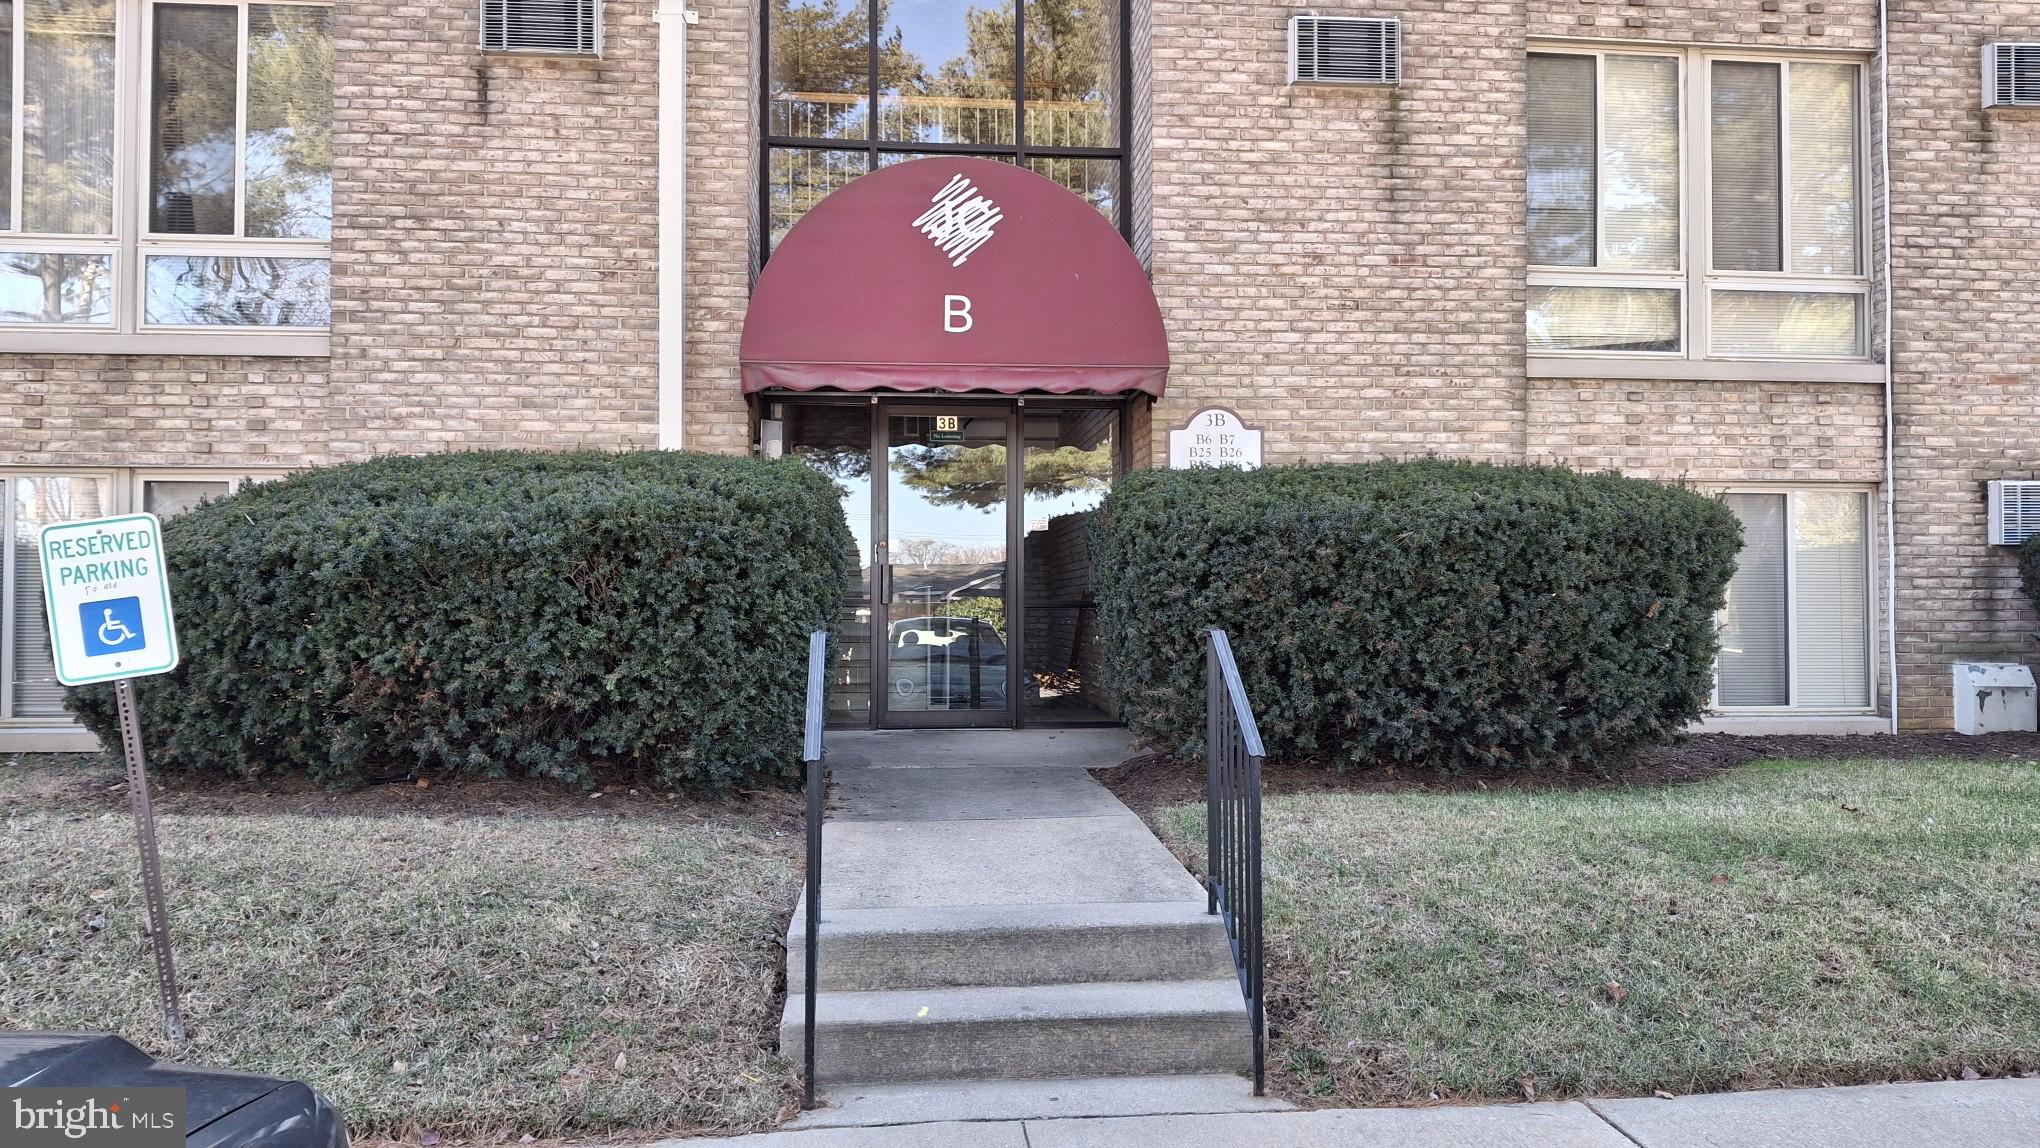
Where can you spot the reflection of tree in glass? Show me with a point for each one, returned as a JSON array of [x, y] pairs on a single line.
[[842, 462], [67, 117], [240, 291], [821, 67], [193, 105], [56, 288], [289, 193], [976, 476]]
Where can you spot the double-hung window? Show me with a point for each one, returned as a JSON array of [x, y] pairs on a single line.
[[168, 180], [1695, 207]]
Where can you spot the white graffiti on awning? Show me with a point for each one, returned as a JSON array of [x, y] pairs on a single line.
[[961, 220]]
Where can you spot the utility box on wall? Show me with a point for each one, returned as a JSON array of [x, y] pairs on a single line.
[[1993, 697]]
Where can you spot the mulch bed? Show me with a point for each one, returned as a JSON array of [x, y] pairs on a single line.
[[1150, 781]]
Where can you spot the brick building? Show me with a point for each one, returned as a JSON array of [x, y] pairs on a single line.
[[243, 237]]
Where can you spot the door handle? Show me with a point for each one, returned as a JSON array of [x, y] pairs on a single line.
[[884, 572]]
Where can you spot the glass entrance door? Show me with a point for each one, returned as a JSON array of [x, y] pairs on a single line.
[[944, 604]]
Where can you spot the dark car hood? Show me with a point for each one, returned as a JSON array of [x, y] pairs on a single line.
[[79, 1059]]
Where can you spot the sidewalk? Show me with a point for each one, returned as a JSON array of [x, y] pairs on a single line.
[[1967, 1114]]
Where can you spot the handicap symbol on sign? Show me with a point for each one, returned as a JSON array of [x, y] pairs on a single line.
[[111, 626]]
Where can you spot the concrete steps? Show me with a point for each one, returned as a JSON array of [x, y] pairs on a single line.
[[1105, 1028], [864, 950], [1000, 935], [927, 1102]]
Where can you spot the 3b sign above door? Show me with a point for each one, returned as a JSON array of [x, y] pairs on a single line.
[[108, 597]]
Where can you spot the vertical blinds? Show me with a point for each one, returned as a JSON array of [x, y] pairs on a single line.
[[67, 117], [1816, 653], [1746, 146], [1562, 144], [1640, 163], [1831, 595], [193, 105], [1823, 169], [1752, 670], [33, 503]]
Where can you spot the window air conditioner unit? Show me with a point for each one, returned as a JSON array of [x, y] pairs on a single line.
[[2014, 511], [1344, 50], [2011, 75], [542, 27]]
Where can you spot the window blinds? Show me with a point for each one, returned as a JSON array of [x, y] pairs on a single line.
[[1747, 217], [1752, 668], [1823, 169], [1640, 163], [1562, 143], [1831, 598]]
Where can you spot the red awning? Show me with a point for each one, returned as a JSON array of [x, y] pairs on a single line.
[[954, 274]]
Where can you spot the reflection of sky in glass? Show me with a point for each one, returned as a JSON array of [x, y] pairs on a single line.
[[307, 203], [84, 288], [202, 170], [934, 29], [251, 290]]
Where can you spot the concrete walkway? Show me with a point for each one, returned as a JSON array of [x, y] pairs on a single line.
[[1001, 938], [1972, 1114]]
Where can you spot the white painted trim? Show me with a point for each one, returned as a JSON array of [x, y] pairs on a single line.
[[1890, 427], [1672, 368], [673, 17], [100, 341], [1754, 725]]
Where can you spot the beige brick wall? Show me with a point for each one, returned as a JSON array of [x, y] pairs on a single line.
[[1344, 268], [1966, 198], [84, 410]]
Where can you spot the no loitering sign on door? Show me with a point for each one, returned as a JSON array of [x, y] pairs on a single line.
[[109, 599]]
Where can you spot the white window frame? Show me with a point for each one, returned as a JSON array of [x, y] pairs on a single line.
[[131, 244], [9, 625], [1873, 601], [1696, 280], [123, 496]]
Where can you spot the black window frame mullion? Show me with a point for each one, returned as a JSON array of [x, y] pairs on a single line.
[[1019, 82], [1019, 151], [871, 93]]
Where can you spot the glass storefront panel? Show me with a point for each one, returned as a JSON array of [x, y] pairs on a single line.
[[946, 530], [820, 69], [946, 73], [1096, 180], [836, 440], [1072, 73], [801, 177], [1068, 463]]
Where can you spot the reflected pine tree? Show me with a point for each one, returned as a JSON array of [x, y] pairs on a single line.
[[976, 476]]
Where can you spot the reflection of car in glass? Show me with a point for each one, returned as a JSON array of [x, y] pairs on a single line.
[[946, 662]]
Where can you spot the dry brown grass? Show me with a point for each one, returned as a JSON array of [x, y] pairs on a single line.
[[476, 975]]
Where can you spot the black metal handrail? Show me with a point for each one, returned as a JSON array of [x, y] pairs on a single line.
[[1232, 819], [811, 753]]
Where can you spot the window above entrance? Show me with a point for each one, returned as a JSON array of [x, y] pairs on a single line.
[[855, 85]]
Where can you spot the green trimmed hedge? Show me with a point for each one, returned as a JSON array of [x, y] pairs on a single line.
[[499, 614], [1449, 614]]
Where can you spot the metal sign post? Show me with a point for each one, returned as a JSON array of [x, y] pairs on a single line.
[[152, 862], [108, 597]]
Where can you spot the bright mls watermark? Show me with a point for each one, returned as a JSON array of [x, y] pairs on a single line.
[[100, 1117]]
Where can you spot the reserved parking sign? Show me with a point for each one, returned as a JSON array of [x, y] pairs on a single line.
[[109, 599]]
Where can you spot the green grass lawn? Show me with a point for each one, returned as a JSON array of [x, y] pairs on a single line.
[[1786, 923], [465, 973]]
